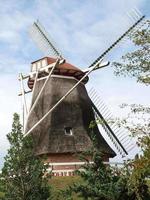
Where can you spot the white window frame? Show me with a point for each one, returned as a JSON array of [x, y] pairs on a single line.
[[70, 131]]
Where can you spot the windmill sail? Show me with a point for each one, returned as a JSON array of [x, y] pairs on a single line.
[[137, 19], [118, 136], [43, 40]]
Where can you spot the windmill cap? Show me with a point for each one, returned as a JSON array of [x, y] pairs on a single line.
[[64, 69]]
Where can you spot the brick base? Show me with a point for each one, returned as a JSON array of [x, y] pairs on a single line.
[[65, 164]]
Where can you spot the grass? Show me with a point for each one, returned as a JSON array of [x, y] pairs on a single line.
[[57, 184], [1, 195], [62, 183]]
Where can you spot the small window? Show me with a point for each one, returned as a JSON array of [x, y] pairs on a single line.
[[44, 62], [38, 65], [68, 130], [33, 67]]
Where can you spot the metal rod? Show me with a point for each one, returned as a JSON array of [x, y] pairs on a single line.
[[123, 137], [103, 108], [100, 102], [24, 77], [92, 94], [61, 99], [136, 13], [116, 42], [112, 138], [115, 129], [126, 142], [47, 40], [120, 134], [26, 92], [131, 147], [110, 130], [91, 90]]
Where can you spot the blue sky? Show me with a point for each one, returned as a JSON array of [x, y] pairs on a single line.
[[82, 30]]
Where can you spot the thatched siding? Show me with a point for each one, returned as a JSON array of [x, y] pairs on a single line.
[[75, 111]]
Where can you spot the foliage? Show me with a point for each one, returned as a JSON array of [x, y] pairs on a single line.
[[137, 63], [59, 184], [126, 183], [101, 182], [2, 195], [23, 172], [138, 123]]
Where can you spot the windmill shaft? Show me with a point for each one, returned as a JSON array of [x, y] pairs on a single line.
[[116, 42], [48, 41], [108, 127]]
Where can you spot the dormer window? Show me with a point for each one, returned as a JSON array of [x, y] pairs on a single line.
[[68, 130]]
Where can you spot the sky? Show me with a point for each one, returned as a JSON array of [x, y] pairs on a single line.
[[81, 30]]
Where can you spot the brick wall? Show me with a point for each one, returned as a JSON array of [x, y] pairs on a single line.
[[58, 166]]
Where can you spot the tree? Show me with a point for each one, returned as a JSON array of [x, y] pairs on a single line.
[[138, 123], [1, 189], [100, 181], [23, 173], [137, 63]]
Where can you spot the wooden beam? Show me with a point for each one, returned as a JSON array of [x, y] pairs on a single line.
[[23, 92], [38, 96], [26, 92]]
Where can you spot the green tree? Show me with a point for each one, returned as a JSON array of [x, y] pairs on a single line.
[[1, 189], [100, 181], [23, 173], [137, 62], [138, 123]]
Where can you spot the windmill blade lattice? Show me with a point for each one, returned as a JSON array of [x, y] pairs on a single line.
[[137, 19], [118, 135], [43, 40]]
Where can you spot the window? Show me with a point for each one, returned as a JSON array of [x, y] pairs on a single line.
[[44, 62], [68, 130], [33, 67], [38, 65]]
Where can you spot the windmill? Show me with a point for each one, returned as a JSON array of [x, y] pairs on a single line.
[[61, 109]]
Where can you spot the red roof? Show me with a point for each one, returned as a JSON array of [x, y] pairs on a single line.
[[65, 65], [65, 69]]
